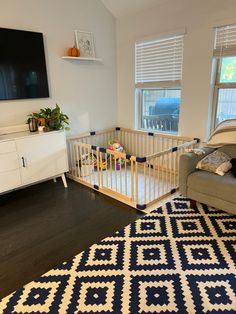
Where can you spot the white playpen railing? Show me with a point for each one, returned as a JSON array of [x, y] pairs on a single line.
[[148, 173]]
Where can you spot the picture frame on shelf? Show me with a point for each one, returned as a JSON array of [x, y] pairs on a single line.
[[85, 43]]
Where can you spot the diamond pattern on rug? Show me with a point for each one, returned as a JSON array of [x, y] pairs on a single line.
[[103, 256], [174, 260], [210, 210], [200, 255], [40, 296], [189, 227], [148, 226], [224, 225], [180, 206], [149, 255], [100, 294], [231, 248], [214, 293], [156, 294]]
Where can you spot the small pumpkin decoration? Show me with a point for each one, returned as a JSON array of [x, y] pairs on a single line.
[[73, 52]]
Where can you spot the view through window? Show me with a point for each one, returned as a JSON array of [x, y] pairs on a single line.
[[160, 109]]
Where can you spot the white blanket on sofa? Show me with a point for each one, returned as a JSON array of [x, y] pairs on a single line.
[[224, 134]]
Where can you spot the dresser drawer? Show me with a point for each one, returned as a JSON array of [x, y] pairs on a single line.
[[7, 147], [9, 180], [8, 161]]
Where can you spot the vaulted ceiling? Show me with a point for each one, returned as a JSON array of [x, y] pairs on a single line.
[[120, 8]]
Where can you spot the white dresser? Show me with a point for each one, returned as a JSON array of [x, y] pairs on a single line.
[[27, 158]]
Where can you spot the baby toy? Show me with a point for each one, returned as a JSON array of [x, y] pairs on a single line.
[[91, 160], [88, 159], [116, 147]]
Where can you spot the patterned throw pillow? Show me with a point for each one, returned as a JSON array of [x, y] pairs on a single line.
[[216, 162]]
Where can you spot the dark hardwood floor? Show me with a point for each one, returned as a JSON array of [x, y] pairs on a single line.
[[43, 225]]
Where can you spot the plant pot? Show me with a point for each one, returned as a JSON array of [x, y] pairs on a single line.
[[33, 124]]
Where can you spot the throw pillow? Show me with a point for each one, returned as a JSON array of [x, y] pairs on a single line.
[[216, 162]]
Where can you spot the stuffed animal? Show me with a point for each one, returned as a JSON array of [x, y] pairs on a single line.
[[116, 147]]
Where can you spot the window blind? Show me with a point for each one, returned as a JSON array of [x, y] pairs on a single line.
[[159, 61], [225, 41]]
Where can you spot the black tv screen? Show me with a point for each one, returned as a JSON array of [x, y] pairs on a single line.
[[23, 71]]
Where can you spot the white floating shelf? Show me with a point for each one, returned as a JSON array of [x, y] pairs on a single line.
[[81, 58]]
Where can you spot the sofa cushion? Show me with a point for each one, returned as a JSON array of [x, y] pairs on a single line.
[[214, 185]]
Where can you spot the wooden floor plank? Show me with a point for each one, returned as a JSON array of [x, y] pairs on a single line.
[[45, 224]]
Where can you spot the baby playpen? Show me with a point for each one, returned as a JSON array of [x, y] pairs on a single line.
[[141, 174]]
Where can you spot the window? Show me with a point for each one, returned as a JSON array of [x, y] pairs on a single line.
[[225, 83], [158, 83], [160, 109]]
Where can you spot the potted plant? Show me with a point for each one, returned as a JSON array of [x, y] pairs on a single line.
[[53, 119]]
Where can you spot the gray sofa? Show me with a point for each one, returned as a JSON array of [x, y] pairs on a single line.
[[206, 187]]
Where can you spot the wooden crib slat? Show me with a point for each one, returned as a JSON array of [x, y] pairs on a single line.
[[145, 182], [162, 174], [136, 181], [171, 171], [167, 172], [132, 180], [120, 166], [76, 159], [106, 170], [80, 158], [111, 174], [73, 159], [89, 165], [154, 177], [149, 182], [158, 176], [176, 167], [174, 170], [126, 176], [101, 171], [115, 174]]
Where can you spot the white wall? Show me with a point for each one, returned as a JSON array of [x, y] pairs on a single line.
[[85, 91], [198, 16]]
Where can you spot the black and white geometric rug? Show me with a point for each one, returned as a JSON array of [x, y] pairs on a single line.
[[174, 260]]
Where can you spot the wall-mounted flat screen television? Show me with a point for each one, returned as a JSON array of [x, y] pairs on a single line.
[[23, 71]]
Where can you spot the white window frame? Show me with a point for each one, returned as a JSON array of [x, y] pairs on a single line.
[[165, 84], [217, 87], [220, 52]]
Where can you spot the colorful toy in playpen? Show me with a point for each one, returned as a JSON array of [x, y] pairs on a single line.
[[117, 147], [90, 160], [86, 164]]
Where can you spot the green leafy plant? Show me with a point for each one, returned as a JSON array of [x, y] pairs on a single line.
[[31, 116], [55, 119]]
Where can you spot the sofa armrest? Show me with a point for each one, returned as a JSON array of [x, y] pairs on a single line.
[[187, 165]]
